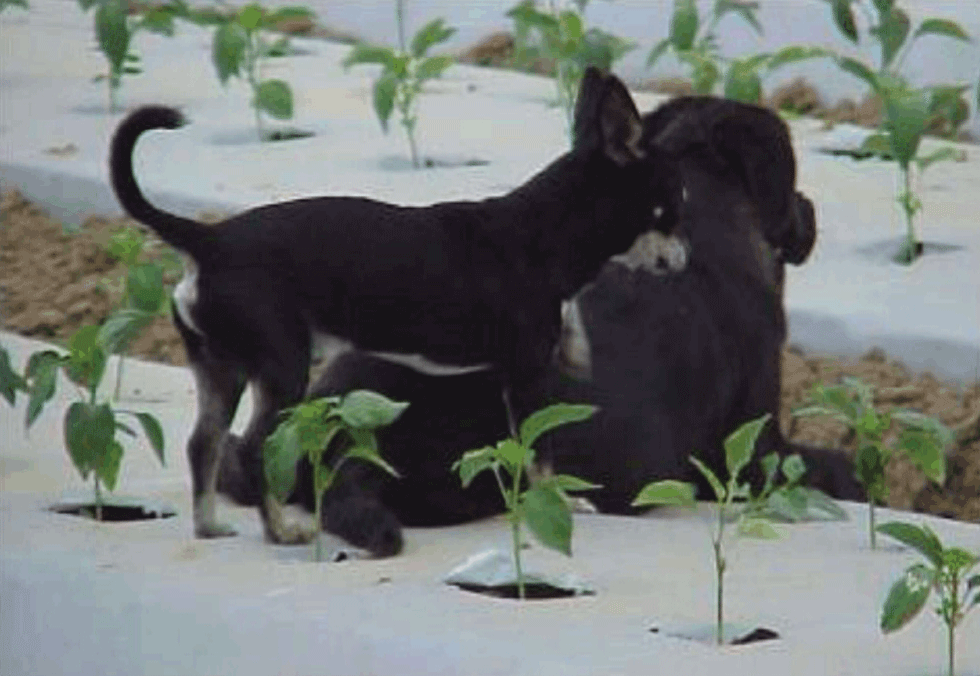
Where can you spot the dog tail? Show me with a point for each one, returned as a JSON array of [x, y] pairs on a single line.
[[181, 233]]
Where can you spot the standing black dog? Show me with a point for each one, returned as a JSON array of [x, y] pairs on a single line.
[[675, 361], [474, 285]]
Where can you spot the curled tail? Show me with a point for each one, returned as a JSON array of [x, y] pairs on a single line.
[[181, 233]]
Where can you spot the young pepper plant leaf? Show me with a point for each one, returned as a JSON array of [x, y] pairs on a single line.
[[42, 376], [10, 381], [944, 27], [108, 463], [683, 24], [921, 539], [907, 597], [228, 50], [548, 517], [666, 492], [280, 453], [89, 429], [154, 434], [473, 463], [429, 35], [275, 98], [368, 410], [740, 444], [553, 416]]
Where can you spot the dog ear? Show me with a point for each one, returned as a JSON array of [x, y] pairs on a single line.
[[755, 143], [590, 93], [620, 124], [802, 234]]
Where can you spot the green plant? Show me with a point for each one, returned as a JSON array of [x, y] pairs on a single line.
[[750, 521], [559, 36], [90, 427], [115, 29], [143, 295], [922, 438], [909, 112], [945, 573], [543, 507], [404, 71], [696, 46], [309, 430], [790, 501], [239, 48], [4, 4]]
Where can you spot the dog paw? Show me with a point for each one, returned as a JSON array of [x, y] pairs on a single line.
[[214, 530]]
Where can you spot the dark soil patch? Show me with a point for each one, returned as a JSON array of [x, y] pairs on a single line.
[[53, 282]]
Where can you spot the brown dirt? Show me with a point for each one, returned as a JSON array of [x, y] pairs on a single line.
[[53, 282]]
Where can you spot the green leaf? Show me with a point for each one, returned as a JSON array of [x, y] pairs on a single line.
[[864, 392], [159, 20], [716, 485], [795, 54], [10, 380], [125, 428], [922, 539], [430, 34], [744, 9], [844, 19], [705, 72], [666, 492], [363, 409], [42, 376], [432, 67], [121, 327], [924, 451], [794, 468], [275, 98], [742, 83], [683, 24], [280, 453], [250, 17], [808, 411], [323, 478], [567, 482], [859, 70], [89, 429], [371, 455], [789, 504], [112, 32], [526, 14], [385, 89], [86, 358], [907, 597], [291, 13], [877, 145], [869, 467], [228, 50], [907, 112], [757, 528], [891, 33], [956, 559], [571, 29], [144, 287], [86, 5], [819, 501], [512, 454], [883, 6], [365, 53], [944, 27], [107, 464], [770, 465], [657, 51], [472, 463], [740, 444], [154, 434], [548, 518], [551, 417]]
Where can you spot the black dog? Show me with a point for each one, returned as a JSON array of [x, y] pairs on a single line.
[[676, 361], [474, 285]]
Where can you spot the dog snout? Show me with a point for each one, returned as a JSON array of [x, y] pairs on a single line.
[[657, 253]]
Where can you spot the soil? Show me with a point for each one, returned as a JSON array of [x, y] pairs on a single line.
[[53, 281]]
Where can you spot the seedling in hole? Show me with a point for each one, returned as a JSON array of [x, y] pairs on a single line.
[[90, 427], [115, 29], [559, 36], [404, 71], [909, 112], [739, 447], [543, 507], [945, 573], [144, 296], [790, 501], [239, 49], [312, 427], [922, 438], [696, 46]]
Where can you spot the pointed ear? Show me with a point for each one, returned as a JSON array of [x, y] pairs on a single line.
[[587, 104], [619, 124], [802, 234]]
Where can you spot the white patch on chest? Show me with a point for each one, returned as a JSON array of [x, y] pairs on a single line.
[[327, 347]]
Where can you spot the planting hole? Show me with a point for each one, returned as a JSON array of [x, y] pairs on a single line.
[[287, 134], [111, 512], [533, 591], [706, 634]]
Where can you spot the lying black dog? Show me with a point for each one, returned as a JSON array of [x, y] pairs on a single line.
[[675, 361], [464, 285]]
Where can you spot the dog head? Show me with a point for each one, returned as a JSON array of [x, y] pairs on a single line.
[[608, 126], [744, 147]]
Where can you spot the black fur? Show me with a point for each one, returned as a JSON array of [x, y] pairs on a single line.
[[678, 361], [462, 284]]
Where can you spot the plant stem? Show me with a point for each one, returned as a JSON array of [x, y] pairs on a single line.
[[98, 499], [119, 371], [909, 214], [716, 542], [950, 637], [317, 540], [515, 531], [400, 20], [251, 68], [871, 522]]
